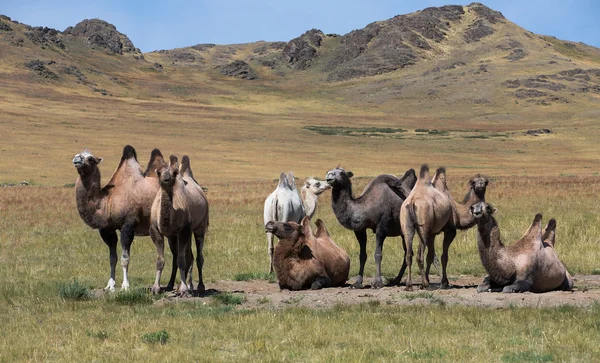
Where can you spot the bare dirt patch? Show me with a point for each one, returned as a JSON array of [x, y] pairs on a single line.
[[260, 294]]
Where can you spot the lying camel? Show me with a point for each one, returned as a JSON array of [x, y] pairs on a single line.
[[180, 208], [303, 259], [124, 203], [283, 205], [530, 264]]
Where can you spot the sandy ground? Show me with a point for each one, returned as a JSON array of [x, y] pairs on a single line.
[[260, 294]]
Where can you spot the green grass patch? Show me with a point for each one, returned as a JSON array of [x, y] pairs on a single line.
[[161, 336], [73, 290], [248, 276], [227, 298], [354, 131], [133, 297], [527, 356]]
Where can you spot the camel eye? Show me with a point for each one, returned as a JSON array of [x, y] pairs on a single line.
[[318, 185]]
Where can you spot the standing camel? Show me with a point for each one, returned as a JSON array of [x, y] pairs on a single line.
[[283, 205], [180, 208], [304, 259], [430, 210], [377, 208], [123, 204], [310, 191], [530, 264]]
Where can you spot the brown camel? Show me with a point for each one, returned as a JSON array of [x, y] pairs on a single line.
[[530, 264], [304, 259], [180, 208], [124, 203], [310, 191], [377, 208], [432, 210]]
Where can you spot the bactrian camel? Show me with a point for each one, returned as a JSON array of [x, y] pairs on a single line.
[[310, 192], [283, 205], [179, 209], [529, 264], [377, 208], [430, 210], [123, 204], [304, 259]]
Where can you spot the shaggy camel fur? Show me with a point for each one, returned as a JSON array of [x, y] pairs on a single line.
[[432, 219], [310, 191], [283, 205], [305, 259], [377, 208], [123, 204], [180, 208], [530, 264]]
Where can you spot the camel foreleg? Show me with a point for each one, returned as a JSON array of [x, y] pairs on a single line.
[[320, 283], [159, 243], [127, 234], [270, 249], [379, 239], [199, 237], [361, 236], [110, 238], [173, 247], [448, 238]]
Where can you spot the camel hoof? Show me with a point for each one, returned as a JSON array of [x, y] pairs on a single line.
[[201, 289], [408, 288], [377, 284], [445, 286], [155, 290], [356, 285]]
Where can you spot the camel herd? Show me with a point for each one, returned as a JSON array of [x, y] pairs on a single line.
[[165, 200]]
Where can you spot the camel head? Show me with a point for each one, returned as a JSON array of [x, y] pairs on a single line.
[[168, 174], [338, 177], [482, 211], [479, 183], [285, 230], [315, 186], [86, 163]]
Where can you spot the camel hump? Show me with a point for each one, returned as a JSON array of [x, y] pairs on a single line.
[[321, 229], [535, 230], [156, 162], [282, 181], [185, 168], [128, 153], [424, 173], [291, 182], [549, 236], [551, 225], [173, 161]]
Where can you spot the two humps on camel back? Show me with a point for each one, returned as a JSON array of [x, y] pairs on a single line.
[[529, 264], [123, 204], [285, 205], [179, 209], [429, 210], [303, 259]]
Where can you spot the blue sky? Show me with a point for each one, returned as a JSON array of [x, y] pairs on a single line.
[[153, 25]]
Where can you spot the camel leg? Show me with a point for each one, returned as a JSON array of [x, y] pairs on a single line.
[[159, 243], [361, 236], [183, 258], [398, 279], [430, 256], [320, 283], [173, 248], [408, 255], [485, 286], [127, 234], [420, 262], [110, 238], [448, 238], [379, 239], [518, 286], [270, 250], [200, 260]]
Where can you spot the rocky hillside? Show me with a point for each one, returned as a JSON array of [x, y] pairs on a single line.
[[453, 57]]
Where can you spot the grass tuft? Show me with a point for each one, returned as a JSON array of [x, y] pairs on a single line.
[[527, 356], [101, 334], [73, 290], [161, 336], [248, 276], [133, 297], [227, 298]]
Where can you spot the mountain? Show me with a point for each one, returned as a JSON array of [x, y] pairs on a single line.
[[463, 60]]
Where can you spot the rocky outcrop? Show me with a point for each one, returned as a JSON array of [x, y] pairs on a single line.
[[239, 69], [300, 52], [101, 34]]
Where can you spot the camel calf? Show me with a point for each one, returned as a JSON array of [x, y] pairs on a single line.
[[529, 264], [302, 259]]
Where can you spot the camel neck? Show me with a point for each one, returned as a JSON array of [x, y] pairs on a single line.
[[166, 209], [342, 202], [463, 219], [90, 201], [309, 203], [488, 235]]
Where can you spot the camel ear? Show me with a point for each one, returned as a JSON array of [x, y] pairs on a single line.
[[306, 184], [350, 174]]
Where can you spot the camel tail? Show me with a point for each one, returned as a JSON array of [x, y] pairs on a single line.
[[128, 153], [156, 162]]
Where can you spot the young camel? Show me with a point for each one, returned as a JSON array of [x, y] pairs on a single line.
[[530, 264], [377, 208], [310, 191], [304, 259], [180, 208], [124, 203], [283, 205], [430, 210]]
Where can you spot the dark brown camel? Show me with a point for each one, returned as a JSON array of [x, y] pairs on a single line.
[[304, 259], [529, 264], [124, 204], [377, 208], [180, 209]]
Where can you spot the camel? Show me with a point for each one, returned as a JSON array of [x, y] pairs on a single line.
[[283, 205], [529, 264], [123, 204], [377, 208], [310, 191], [304, 259], [432, 210], [180, 208]]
